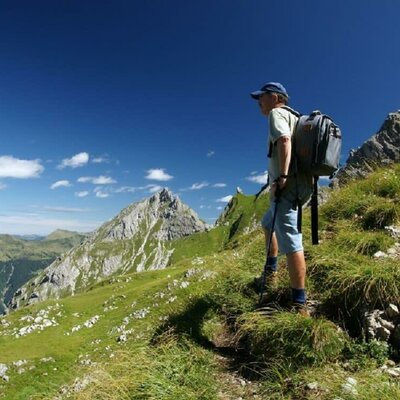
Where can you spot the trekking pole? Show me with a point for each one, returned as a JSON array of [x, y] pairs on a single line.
[[271, 232]]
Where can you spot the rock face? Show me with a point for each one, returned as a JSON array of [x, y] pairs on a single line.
[[137, 239], [381, 149], [383, 325]]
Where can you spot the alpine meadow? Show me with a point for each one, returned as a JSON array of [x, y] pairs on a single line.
[[156, 304], [199, 200]]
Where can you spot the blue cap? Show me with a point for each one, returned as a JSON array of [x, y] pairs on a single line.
[[271, 87]]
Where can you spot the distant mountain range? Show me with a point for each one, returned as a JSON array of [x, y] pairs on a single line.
[[29, 237], [21, 257]]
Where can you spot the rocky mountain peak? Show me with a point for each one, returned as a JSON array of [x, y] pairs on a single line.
[[139, 238], [162, 196], [380, 149]]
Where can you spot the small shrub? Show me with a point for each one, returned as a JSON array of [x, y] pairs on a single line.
[[367, 243], [291, 339], [384, 183], [362, 355], [381, 214], [362, 282], [233, 292], [346, 203]]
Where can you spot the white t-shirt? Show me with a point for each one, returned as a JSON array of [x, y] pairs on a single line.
[[283, 123]]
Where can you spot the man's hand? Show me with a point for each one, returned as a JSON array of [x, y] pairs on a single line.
[[281, 183]]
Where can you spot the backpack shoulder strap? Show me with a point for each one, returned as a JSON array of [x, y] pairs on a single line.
[[314, 212], [294, 112]]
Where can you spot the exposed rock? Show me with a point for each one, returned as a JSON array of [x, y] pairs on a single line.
[[122, 338], [89, 323], [392, 311], [383, 325], [47, 359], [350, 386], [20, 363], [312, 386], [139, 238], [382, 333], [394, 231], [382, 148], [3, 372], [393, 372]]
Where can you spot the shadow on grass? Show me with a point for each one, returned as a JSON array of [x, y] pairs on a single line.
[[233, 354], [188, 323]]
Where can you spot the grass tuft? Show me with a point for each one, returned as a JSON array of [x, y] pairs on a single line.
[[363, 283], [291, 339]]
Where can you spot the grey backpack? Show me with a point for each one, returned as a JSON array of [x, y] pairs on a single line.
[[317, 143], [316, 147]]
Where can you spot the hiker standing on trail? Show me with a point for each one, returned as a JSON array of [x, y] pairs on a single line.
[[291, 192]]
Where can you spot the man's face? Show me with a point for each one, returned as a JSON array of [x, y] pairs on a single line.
[[267, 102]]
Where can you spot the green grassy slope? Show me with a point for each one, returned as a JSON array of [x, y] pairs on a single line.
[[192, 331]]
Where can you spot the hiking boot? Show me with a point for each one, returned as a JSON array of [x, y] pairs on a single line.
[[301, 309]]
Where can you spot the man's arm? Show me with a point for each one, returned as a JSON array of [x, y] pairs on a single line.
[[284, 148], [284, 153]]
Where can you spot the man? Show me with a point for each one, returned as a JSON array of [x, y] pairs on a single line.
[[292, 190]]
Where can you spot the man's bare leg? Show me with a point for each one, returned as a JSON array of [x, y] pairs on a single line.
[[297, 269], [274, 244], [297, 275]]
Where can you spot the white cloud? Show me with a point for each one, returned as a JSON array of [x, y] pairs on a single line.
[[196, 186], [126, 189], [219, 185], [102, 192], [158, 174], [11, 167], [220, 208], [102, 195], [225, 199], [261, 179], [58, 184], [2, 186], [78, 160], [153, 188], [82, 194], [100, 160], [103, 180], [99, 180], [84, 179], [210, 153]]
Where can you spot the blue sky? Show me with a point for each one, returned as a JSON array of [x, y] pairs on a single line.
[[103, 102]]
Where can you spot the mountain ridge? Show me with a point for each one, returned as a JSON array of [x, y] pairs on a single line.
[[382, 148], [138, 238]]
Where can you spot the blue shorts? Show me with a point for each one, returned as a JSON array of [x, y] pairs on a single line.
[[290, 240]]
